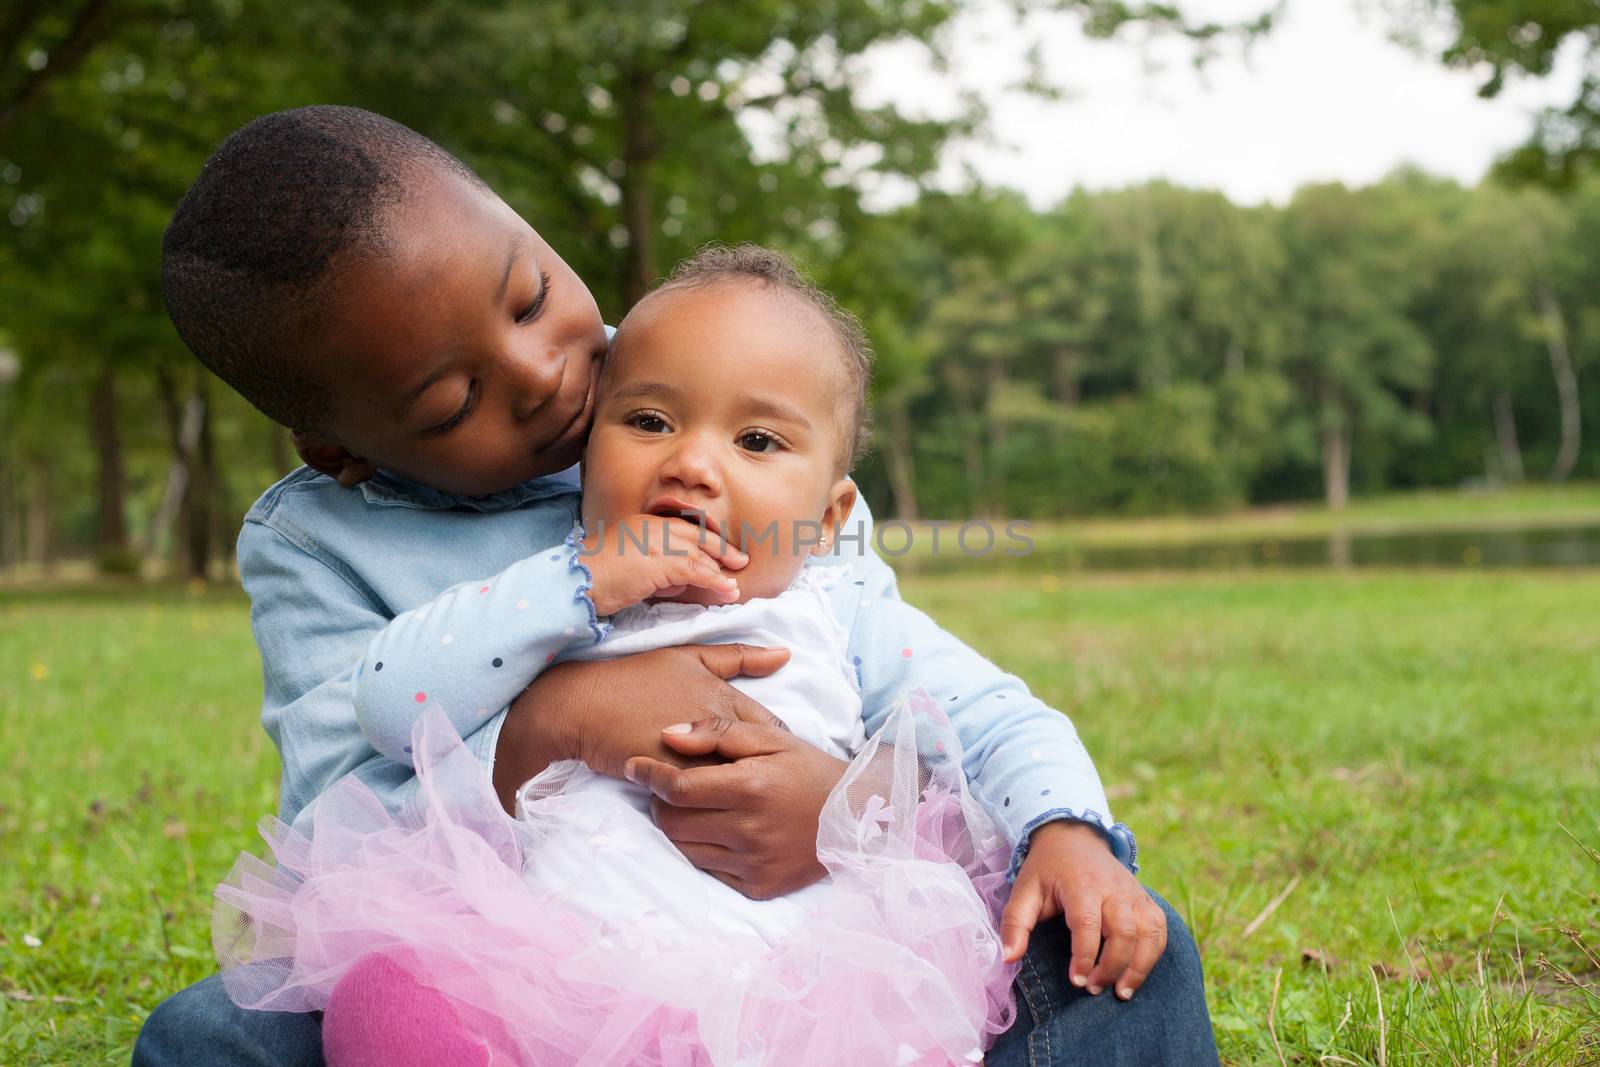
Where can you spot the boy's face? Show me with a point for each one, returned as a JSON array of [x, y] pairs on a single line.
[[724, 399], [466, 359]]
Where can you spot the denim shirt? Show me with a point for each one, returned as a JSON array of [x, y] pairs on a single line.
[[460, 589]]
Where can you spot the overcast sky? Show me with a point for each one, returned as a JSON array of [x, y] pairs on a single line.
[[1328, 95]]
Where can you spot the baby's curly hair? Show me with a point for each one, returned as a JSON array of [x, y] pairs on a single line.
[[772, 268]]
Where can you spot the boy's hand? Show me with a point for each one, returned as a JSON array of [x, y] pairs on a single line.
[[651, 556], [604, 712], [1070, 871], [751, 823]]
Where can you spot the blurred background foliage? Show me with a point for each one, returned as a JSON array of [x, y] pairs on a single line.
[[1146, 350]]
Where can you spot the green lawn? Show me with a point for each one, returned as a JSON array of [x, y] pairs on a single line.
[[1396, 752]]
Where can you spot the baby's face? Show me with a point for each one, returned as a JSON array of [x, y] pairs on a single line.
[[467, 359], [723, 399]]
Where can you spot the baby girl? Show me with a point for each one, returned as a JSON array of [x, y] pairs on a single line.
[[727, 414]]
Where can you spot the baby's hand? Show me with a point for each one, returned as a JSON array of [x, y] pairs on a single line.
[[1070, 871], [651, 556]]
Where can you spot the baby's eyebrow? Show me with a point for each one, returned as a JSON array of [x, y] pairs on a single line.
[[644, 389], [767, 406], [772, 408]]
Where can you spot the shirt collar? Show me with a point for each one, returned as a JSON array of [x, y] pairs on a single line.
[[393, 490]]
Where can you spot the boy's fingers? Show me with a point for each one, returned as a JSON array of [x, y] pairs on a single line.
[[1018, 919], [1083, 919], [732, 739], [731, 661], [687, 787], [732, 881], [1121, 934], [712, 824], [747, 710], [1152, 943], [712, 858]]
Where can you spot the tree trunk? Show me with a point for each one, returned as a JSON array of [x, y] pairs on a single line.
[[972, 441], [105, 427], [10, 541], [1068, 377], [1555, 339], [10, 510], [1065, 385], [41, 522], [197, 501], [1233, 360], [639, 149], [899, 458], [1505, 436], [1335, 448], [183, 431], [997, 431], [224, 523]]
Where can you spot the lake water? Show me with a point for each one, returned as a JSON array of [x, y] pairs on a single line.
[[1500, 546]]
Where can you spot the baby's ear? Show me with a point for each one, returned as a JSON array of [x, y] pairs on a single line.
[[332, 459], [841, 499]]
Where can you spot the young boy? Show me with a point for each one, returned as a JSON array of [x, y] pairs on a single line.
[[437, 362]]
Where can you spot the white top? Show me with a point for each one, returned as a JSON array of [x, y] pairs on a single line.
[[814, 693], [592, 840]]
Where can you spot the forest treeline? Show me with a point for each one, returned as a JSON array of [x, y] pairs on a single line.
[[1141, 350], [1162, 349]]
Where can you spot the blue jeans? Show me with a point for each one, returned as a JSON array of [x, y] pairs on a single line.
[[1165, 1023]]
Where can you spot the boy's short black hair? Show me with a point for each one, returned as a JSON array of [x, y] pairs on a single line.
[[281, 206], [770, 267]]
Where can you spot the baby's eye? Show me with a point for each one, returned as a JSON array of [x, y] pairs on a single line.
[[648, 422], [759, 441]]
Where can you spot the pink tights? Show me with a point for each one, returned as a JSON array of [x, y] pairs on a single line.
[[381, 1015]]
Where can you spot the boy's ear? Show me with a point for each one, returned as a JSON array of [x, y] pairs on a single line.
[[332, 459], [841, 499]]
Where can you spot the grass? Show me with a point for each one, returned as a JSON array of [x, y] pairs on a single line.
[[1355, 787]]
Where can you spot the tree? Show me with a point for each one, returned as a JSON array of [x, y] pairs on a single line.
[[1353, 346], [92, 170], [1509, 39], [40, 43], [637, 132]]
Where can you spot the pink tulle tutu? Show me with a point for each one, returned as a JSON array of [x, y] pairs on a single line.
[[894, 959]]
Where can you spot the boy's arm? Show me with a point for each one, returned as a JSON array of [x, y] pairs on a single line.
[[1023, 758], [472, 649], [312, 620]]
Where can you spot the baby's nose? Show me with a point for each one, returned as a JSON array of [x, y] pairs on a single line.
[[693, 464]]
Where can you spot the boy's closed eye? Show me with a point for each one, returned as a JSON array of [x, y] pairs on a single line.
[[461, 414], [528, 314], [536, 305]]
